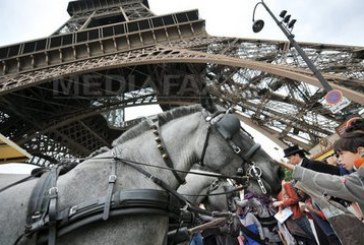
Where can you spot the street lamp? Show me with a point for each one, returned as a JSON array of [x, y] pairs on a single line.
[[286, 26]]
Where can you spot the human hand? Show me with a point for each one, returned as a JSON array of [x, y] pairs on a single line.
[[309, 206], [241, 237], [303, 207], [286, 165], [277, 203]]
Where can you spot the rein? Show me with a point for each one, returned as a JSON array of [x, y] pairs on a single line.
[[216, 194], [237, 178], [17, 182], [37, 172], [165, 186], [180, 196]]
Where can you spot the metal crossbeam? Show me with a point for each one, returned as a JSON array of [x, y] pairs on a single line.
[[65, 95]]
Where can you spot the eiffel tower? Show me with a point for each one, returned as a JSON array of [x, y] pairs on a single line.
[[65, 95]]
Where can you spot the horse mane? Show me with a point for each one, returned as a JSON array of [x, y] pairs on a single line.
[[178, 112], [133, 132], [163, 118]]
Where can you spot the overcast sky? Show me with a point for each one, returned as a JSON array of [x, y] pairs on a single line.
[[324, 21]]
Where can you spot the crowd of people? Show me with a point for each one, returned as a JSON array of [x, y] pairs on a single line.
[[322, 204], [330, 192]]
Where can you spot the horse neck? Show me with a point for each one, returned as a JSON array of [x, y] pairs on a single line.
[[182, 138]]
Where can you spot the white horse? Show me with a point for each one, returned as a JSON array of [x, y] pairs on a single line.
[[213, 192], [216, 195], [125, 195]]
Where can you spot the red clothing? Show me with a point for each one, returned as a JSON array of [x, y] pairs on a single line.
[[290, 199]]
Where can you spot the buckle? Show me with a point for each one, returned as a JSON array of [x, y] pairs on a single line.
[[112, 178], [53, 191], [36, 215], [237, 149], [254, 171], [73, 210]]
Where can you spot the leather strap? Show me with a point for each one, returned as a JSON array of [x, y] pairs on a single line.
[[38, 204], [42, 206], [251, 151], [127, 202], [205, 145], [53, 206], [37, 172], [16, 183], [112, 180]]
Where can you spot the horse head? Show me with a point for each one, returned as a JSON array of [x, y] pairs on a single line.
[[189, 135], [230, 150], [220, 196], [214, 193]]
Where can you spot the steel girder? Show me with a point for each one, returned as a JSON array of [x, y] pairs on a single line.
[[70, 100]]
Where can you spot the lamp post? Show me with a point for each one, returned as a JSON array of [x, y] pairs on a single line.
[[286, 26]]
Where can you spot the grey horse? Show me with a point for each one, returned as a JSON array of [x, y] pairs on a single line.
[[189, 137], [216, 195]]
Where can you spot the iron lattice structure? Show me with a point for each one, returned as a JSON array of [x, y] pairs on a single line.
[[65, 95]]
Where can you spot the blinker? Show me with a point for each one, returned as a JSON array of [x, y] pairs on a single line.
[[228, 126]]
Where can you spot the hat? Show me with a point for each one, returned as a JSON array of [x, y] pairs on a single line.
[[293, 150]]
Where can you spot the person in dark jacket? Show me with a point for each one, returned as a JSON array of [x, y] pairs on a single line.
[[297, 157]]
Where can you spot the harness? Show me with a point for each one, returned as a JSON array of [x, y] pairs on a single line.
[[47, 222], [215, 185], [228, 125]]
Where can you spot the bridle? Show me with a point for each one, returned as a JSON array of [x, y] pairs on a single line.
[[228, 125], [227, 192]]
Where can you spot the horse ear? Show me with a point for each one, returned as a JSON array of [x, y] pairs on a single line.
[[207, 102]]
